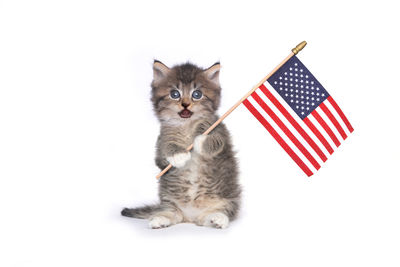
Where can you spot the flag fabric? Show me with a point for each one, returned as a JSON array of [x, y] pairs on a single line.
[[300, 115]]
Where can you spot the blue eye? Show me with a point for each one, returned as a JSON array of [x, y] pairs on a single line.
[[197, 94], [175, 94]]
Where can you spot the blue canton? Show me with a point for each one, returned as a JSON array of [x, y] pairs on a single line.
[[298, 87]]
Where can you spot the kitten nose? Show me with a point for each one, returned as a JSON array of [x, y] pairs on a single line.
[[185, 104]]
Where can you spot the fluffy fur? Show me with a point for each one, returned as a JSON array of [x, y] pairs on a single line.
[[202, 187]]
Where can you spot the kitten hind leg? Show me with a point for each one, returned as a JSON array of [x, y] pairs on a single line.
[[214, 219], [165, 218]]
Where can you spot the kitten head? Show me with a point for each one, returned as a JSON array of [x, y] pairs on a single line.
[[185, 92]]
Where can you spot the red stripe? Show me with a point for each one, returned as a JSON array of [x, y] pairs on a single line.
[[283, 127], [278, 138], [326, 127], [341, 114], [292, 121], [333, 120], [318, 134]]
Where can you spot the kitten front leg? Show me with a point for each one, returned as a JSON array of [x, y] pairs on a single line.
[[171, 153], [208, 144], [179, 160]]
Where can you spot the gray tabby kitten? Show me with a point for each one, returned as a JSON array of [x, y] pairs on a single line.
[[202, 187]]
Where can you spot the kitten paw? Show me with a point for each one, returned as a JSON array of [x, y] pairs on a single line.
[[158, 222], [179, 160], [217, 220], [198, 143]]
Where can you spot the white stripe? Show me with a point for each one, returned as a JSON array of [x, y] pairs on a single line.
[[281, 133], [337, 117], [330, 124], [322, 131], [297, 119], [289, 126]]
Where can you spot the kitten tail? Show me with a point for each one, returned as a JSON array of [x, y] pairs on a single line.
[[140, 213]]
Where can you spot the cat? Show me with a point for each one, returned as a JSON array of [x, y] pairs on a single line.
[[202, 186]]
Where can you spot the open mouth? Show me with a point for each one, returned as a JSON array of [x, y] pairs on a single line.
[[185, 113]]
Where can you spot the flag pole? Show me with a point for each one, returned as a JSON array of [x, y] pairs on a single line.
[[295, 50]]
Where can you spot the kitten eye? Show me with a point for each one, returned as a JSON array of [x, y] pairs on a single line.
[[197, 94], [175, 94]]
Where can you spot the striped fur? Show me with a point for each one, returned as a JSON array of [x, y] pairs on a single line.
[[206, 188]]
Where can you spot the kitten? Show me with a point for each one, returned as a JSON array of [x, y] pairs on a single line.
[[202, 186]]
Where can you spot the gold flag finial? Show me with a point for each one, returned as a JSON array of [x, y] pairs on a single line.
[[299, 47]]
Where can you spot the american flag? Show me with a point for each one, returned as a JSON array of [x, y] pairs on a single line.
[[300, 114]]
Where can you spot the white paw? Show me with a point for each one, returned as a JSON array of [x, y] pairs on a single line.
[[217, 220], [158, 222], [179, 160], [198, 143]]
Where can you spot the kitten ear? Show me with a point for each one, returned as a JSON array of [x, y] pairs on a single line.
[[160, 70], [212, 73]]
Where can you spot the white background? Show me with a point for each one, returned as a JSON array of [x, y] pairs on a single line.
[[77, 132]]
